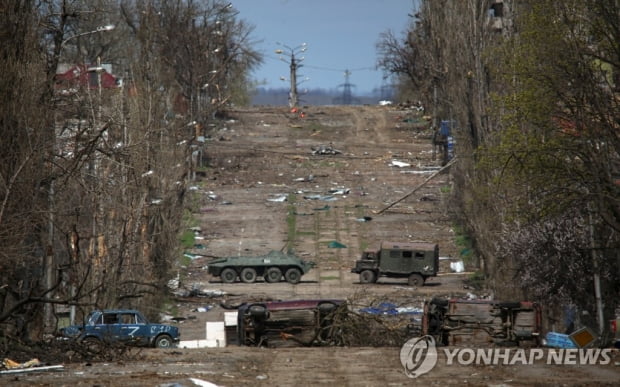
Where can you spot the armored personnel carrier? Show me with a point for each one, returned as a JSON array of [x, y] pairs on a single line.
[[271, 267]]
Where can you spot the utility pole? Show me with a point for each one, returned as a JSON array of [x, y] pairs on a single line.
[[294, 65], [50, 260]]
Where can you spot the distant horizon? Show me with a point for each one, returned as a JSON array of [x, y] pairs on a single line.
[[317, 96], [375, 92]]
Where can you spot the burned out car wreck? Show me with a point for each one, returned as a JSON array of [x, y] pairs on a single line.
[[289, 323], [459, 322]]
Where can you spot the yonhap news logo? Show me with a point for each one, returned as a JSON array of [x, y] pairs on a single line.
[[419, 355]]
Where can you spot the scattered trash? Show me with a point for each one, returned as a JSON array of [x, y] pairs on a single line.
[[327, 198], [202, 309], [308, 178], [471, 296], [202, 383], [399, 164], [278, 199], [174, 283], [192, 256], [325, 150], [457, 267], [339, 191], [13, 367], [10, 364], [428, 198], [417, 172], [336, 245], [324, 208], [558, 340]]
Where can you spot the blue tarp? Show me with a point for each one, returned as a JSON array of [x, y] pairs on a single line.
[[387, 308]]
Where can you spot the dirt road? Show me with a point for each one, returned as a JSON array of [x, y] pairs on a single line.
[[265, 188]]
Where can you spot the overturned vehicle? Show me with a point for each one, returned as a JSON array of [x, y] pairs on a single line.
[[271, 267], [289, 323], [467, 322]]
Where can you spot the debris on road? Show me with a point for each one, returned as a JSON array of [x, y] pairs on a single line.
[[399, 164], [325, 150]]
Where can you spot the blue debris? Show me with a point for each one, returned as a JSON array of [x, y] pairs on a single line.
[[389, 309]]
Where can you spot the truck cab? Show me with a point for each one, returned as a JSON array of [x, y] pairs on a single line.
[[413, 260]]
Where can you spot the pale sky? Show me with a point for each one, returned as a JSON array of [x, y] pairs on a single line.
[[340, 35]]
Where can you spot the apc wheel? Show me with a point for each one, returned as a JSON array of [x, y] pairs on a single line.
[[248, 275], [367, 277], [416, 280], [293, 275], [228, 275], [163, 341], [273, 274]]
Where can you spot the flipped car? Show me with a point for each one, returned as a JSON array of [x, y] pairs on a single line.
[[124, 326], [289, 323]]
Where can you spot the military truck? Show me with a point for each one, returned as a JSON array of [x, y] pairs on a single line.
[[413, 260], [271, 267]]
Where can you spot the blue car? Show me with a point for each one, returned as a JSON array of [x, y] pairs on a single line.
[[122, 326]]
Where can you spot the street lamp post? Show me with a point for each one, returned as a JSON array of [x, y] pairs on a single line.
[[108, 27], [294, 65], [49, 259]]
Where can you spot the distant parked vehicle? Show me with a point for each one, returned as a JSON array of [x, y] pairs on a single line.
[[412, 260], [122, 326], [272, 267], [288, 323]]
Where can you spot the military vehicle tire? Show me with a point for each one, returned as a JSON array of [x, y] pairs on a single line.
[[293, 275], [163, 341], [368, 277], [228, 275], [273, 274], [416, 280], [248, 275]]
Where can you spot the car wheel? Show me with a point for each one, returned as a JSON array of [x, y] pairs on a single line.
[[248, 275], [416, 280], [326, 307], [293, 275], [273, 275], [509, 305], [163, 341], [228, 275], [257, 311], [367, 277]]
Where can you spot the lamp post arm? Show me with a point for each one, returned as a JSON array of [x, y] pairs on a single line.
[[108, 27]]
